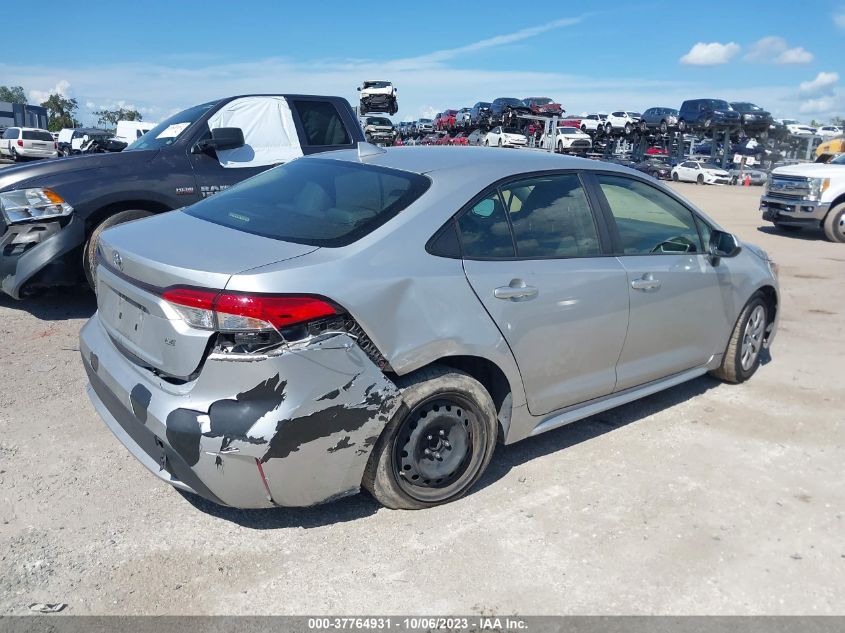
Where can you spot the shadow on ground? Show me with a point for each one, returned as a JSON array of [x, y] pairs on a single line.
[[56, 304], [506, 458], [808, 234]]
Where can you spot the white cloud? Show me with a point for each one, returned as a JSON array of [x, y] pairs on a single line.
[[822, 84], [775, 50], [710, 54], [839, 18], [818, 106], [62, 87]]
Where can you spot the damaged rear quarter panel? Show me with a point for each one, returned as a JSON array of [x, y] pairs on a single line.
[[310, 415]]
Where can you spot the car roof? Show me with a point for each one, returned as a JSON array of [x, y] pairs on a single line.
[[492, 164]]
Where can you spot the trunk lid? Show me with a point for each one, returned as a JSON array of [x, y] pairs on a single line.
[[139, 259]]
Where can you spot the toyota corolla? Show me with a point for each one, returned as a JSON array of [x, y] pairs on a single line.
[[382, 318]]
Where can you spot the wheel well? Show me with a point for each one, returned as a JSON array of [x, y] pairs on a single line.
[[492, 378], [93, 220], [837, 201], [771, 298]]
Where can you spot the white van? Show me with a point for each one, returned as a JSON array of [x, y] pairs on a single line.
[[131, 131]]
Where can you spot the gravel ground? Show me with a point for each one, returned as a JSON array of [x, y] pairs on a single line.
[[706, 498]]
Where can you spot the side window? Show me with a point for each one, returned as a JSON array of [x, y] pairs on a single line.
[[551, 217], [322, 123], [485, 231], [648, 220]]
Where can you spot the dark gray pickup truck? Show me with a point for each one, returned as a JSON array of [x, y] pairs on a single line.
[[52, 212]]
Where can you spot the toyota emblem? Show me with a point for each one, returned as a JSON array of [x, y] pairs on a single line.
[[117, 260]]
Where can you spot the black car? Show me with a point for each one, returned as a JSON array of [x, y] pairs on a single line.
[[52, 212], [705, 114], [479, 114], [503, 110], [655, 168], [755, 120], [662, 119]]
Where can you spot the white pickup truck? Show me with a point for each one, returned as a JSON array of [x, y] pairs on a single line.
[[811, 194]]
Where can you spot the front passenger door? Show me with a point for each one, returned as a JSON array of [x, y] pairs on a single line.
[[678, 311]]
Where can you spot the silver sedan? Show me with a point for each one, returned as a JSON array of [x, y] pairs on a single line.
[[382, 318]]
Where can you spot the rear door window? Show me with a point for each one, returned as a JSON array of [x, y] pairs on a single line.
[[485, 233], [321, 123]]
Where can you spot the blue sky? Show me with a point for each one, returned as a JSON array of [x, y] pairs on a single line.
[[161, 57]]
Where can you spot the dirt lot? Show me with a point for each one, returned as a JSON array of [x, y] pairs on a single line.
[[707, 498]]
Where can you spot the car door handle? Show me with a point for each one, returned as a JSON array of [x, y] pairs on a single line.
[[515, 291], [646, 282]]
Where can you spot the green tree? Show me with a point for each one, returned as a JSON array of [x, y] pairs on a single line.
[[109, 118], [61, 110], [12, 94]]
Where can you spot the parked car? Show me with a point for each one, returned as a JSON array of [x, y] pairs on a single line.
[[662, 119], [756, 177], [704, 114], [326, 307], [808, 195], [20, 143], [655, 168], [378, 96], [505, 137], [378, 129], [621, 120], [461, 138], [445, 121], [592, 122], [567, 139], [430, 139], [424, 126], [463, 119], [656, 151], [828, 132], [543, 106], [477, 137], [54, 212], [700, 172], [504, 110], [443, 139], [71, 139], [755, 120], [799, 129], [130, 131], [479, 115]]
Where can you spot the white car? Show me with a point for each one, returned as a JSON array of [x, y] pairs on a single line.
[[477, 137], [592, 122], [829, 131], [27, 142], [505, 137], [569, 139], [798, 129], [702, 173], [625, 121], [378, 96]]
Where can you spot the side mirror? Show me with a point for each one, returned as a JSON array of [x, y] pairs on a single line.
[[723, 244], [221, 138], [358, 89]]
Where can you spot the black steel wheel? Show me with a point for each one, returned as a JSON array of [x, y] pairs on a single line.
[[438, 444]]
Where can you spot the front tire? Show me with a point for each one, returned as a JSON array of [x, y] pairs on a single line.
[[675, 176], [89, 262], [834, 224], [439, 443], [700, 179], [682, 126], [742, 356]]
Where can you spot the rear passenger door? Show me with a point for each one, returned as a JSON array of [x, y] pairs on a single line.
[[534, 253], [680, 303]]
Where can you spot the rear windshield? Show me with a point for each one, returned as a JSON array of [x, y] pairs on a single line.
[[37, 135], [318, 202]]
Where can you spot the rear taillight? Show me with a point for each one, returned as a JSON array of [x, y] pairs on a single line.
[[55, 145], [244, 312], [20, 142]]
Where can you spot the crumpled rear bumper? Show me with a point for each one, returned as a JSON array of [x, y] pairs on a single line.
[[294, 429]]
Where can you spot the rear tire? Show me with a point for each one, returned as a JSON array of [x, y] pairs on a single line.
[[742, 356], [834, 224], [89, 262], [14, 155], [608, 129], [682, 126], [441, 440], [675, 176]]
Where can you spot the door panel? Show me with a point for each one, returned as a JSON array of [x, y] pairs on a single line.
[[561, 306], [566, 339]]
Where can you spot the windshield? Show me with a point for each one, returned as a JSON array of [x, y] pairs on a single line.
[[425, 120], [377, 120], [718, 105], [509, 101], [376, 84], [312, 201], [168, 131], [511, 130], [540, 101], [839, 160]]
